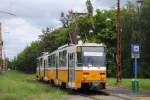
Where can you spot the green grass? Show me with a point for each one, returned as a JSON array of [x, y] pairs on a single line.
[[18, 86], [144, 83]]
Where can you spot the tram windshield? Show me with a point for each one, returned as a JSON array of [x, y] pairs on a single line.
[[91, 56]]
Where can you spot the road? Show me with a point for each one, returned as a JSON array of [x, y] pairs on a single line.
[[111, 93]]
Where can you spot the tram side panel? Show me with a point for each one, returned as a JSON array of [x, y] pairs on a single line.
[[63, 76]]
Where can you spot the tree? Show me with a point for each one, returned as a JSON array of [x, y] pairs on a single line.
[[89, 7], [26, 60], [52, 40], [64, 20], [129, 27], [144, 24]]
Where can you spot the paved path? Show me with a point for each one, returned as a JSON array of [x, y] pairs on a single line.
[[111, 93]]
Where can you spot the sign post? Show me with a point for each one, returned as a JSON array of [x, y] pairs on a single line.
[[135, 54]]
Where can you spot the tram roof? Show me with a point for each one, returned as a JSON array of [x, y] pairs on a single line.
[[82, 44], [43, 54], [91, 44]]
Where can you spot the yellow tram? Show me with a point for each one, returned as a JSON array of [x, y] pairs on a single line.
[[74, 66]]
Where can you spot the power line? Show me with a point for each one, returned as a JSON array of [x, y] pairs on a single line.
[[5, 12]]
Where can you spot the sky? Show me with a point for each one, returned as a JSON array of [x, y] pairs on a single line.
[[34, 15]]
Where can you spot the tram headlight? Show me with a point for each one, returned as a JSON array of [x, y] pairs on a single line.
[[85, 76], [102, 75]]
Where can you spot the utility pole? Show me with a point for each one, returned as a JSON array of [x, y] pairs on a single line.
[[1, 47], [118, 46], [1, 43]]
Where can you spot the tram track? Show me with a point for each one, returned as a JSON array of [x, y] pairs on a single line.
[[95, 95], [91, 94]]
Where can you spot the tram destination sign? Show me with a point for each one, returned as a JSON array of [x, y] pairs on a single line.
[[135, 50]]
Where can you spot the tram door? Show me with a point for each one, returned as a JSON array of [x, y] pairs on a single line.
[[57, 67], [44, 67], [71, 69], [46, 70], [39, 65]]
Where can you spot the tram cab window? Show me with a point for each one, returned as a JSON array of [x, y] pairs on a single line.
[[91, 56]]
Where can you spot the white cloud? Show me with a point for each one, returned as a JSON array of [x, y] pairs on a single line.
[[33, 15], [18, 33]]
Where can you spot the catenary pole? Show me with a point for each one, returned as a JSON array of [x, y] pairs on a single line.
[[118, 43]]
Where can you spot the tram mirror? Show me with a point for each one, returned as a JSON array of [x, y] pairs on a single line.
[[78, 49]]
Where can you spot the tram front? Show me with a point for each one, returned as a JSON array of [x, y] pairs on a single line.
[[91, 67]]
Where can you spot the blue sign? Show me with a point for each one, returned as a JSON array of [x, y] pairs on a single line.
[[135, 50]]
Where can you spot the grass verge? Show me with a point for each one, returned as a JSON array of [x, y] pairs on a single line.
[[143, 83], [19, 86]]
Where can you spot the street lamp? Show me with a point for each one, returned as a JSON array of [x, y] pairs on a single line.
[[139, 2], [5, 12]]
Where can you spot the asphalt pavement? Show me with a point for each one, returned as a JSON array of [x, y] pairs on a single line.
[[111, 93]]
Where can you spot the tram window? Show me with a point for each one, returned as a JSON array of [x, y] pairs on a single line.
[[60, 59], [71, 58], [64, 58], [54, 60], [49, 61], [41, 62], [38, 63], [44, 64], [79, 56]]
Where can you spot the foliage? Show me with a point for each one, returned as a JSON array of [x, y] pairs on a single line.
[[64, 19], [89, 7], [26, 60], [52, 40], [135, 28], [144, 31]]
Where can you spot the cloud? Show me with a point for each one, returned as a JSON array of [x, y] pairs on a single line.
[[31, 17], [34, 15], [18, 35]]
